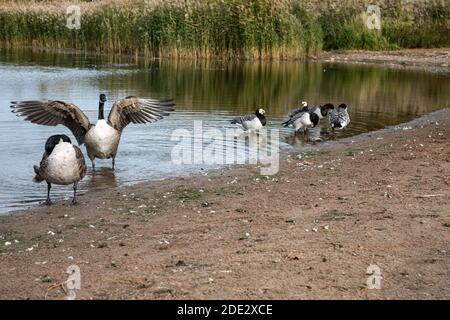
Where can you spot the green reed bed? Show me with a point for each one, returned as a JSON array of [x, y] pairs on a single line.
[[227, 29]]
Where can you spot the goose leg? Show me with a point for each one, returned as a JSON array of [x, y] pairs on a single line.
[[93, 164], [75, 186], [113, 162], [48, 202]]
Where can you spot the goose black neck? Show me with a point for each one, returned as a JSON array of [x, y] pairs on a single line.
[[261, 118], [101, 115]]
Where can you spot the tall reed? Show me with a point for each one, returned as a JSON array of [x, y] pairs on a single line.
[[224, 29]]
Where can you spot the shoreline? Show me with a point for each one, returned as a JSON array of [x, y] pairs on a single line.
[[433, 60], [430, 60], [237, 234]]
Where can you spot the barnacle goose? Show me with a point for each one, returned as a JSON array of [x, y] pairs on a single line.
[[339, 118], [253, 121]]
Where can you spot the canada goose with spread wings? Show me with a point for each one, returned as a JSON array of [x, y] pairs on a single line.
[[101, 139]]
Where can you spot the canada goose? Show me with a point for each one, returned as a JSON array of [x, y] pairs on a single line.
[[301, 120], [339, 118], [101, 139], [62, 163], [252, 121]]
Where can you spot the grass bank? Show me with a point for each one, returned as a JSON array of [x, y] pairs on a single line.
[[227, 29]]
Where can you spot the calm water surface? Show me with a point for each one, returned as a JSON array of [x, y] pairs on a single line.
[[212, 92]]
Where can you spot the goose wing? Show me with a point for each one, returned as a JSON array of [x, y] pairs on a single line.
[[297, 111], [137, 110], [294, 117], [52, 113], [80, 162], [333, 118], [241, 120]]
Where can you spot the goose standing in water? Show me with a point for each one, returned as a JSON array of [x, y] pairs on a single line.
[[301, 120], [321, 111], [339, 118], [254, 121], [101, 139], [298, 110], [62, 163]]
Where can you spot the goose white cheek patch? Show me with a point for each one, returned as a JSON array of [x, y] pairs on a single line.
[[212, 146]]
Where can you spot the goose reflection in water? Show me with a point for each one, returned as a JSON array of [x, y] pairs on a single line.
[[102, 178], [310, 136]]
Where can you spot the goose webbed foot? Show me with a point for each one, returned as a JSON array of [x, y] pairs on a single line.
[[48, 202]]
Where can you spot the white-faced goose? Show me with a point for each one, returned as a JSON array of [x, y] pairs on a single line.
[[254, 121], [301, 119], [321, 111], [101, 139], [62, 163], [339, 118]]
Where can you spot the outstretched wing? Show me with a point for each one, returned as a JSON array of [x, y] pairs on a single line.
[[52, 113], [136, 110]]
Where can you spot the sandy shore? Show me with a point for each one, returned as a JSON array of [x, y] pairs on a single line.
[[308, 232], [430, 60]]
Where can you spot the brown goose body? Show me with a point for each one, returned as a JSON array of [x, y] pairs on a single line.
[[102, 139]]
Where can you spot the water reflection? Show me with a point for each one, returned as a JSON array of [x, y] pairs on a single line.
[[101, 178]]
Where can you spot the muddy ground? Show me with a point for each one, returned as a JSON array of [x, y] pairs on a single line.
[[308, 232], [430, 60]]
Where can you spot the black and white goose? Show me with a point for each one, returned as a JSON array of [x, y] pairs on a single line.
[[253, 121], [101, 139], [321, 111], [301, 109], [301, 119], [62, 164], [339, 118]]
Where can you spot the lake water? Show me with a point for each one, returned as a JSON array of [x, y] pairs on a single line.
[[211, 92]]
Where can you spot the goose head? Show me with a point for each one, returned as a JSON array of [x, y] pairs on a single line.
[[314, 119], [54, 140], [260, 112], [101, 105], [325, 108]]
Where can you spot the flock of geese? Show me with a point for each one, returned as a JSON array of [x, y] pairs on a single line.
[[64, 164], [301, 118]]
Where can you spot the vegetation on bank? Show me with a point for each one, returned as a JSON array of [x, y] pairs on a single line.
[[225, 29]]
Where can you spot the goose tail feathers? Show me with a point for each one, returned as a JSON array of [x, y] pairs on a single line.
[[37, 178]]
